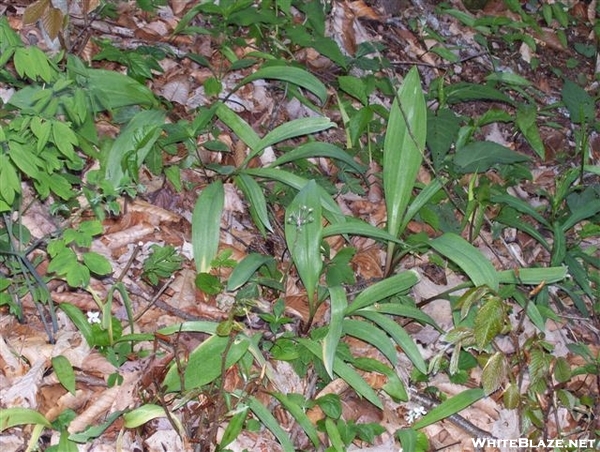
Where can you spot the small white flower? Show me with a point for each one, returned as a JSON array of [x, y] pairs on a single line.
[[93, 317], [415, 414]]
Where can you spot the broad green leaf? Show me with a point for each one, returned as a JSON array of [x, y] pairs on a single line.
[[234, 427], [243, 271], [480, 156], [394, 386], [526, 122], [266, 417], [97, 263], [11, 417], [332, 211], [449, 407], [318, 149], [401, 310], [115, 90], [355, 226], [333, 435], [148, 412], [468, 258], [257, 202], [80, 321], [581, 213], [139, 135], [64, 372], [408, 439], [94, 431], [9, 180], [354, 86], [420, 200], [205, 362], [580, 104], [294, 75], [240, 127], [442, 131], [386, 288], [400, 336], [303, 235], [464, 92], [403, 149], [346, 373], [338, 305], [295, 128], [373, 335], [299, 414], [206, 225], [520, 205]]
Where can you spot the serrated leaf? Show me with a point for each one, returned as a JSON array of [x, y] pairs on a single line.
[[494, 373], [35, 11], [489, 321], [562, 370], [206, 224], [53, 22], [511, 397]]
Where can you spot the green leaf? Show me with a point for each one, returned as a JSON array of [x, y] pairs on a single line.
[[338, 305], [64, 372], [403, 150], [294, 75], [9, 180], [489, 321], [400, 336], [526, 122], [94, 431], [243, 271], [494, 373], [303, 235], [97, 263], [145, 414], [80, 321], [295, 128], [318, 149], [373, 335], [270, 422], [11, 417], [383, 289], [256, 200], [240, 127], [449, 407], [138, 136], [234, 427], [115, 90], [468, 258], [206, 224], [205, 362], [580, 104], [346, 373], [480, 156], [332, 211], [209, 284], [354, 86], [356, 226], [463, 92], [402, 310], [333, 435], [299, 415]]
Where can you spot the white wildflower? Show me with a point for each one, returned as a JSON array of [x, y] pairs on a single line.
[[93, 317]]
